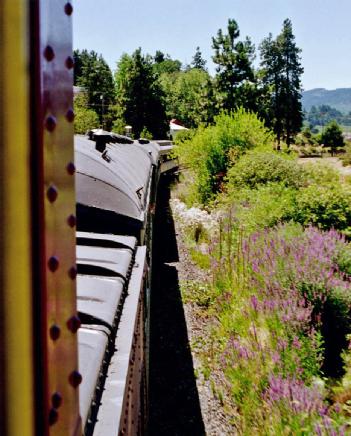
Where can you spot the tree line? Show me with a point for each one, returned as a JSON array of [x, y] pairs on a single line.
[[146, 91], [324, 114]]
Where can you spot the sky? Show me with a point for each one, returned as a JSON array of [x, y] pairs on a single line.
[[322, 29]]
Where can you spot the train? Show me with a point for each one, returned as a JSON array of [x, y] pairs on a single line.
[[76, 244], [116, 192]]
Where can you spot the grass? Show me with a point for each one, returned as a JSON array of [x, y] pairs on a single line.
[[277, 299], [265, 301]]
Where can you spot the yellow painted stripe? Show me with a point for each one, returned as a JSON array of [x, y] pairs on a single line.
[[16, 256]]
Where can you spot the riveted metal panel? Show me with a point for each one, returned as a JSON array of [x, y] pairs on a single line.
[[54, 180]]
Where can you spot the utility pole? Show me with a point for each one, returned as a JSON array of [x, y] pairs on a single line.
[[102, 111]]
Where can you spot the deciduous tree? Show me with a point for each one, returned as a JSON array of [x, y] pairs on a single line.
[[189, 96]]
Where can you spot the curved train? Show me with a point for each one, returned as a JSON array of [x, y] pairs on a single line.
[[76, 232], [116, 188]]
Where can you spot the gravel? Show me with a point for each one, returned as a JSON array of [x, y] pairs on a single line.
[[216, 419]]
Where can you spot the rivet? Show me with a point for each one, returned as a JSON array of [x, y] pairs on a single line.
[[53, 263], [75, 379], [72, 272], [49, 53], [73, 324], [50, 123], [55, 332], [53, 416], [56, 400], [70, 115], [52, 193], [72, 220], [69, 62], [71, 169], [68, 8]]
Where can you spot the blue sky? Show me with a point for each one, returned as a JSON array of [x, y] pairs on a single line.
[[322, 29]]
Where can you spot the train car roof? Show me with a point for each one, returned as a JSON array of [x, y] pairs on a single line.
[[116, 180]]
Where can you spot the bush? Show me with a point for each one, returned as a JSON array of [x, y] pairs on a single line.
[[321, 173], [145, 134], [212, 150], [324, 206], [85, 119], [260, 168], [118, 126], [263, 207]]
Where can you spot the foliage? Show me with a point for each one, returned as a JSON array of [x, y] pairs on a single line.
[[265, 189], [188, 96], [85, 119], [234, 68], [262, 207], [260, 168], [331, 136], [93, 74], [306, 137], [321, 173], [268, 336], [165, 64], [145, 134], [324, 114], [324, 206], [139, 96], [118, 126], [213, 149], [198, 61], [281, 74]]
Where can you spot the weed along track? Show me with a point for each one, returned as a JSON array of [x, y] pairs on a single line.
[[268, 314]]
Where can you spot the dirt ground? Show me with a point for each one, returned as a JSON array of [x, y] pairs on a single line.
[[333, 161]]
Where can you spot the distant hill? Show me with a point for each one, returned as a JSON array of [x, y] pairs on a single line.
[[337, 98]]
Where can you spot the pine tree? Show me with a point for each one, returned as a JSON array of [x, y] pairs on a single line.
[[234, 66], [198, 61], [332, 136], [92, 72], [282, 72], [139, 96]]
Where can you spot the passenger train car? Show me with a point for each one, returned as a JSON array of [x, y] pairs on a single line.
[[116, 186], [75, 244]]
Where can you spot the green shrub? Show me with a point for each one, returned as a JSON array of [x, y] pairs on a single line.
[[119, 126], [212, 150], [85, 119], [324, 206], [321, 173], [256, 169], [343, 259], [145, 134], [183, 136], [263, 207]]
